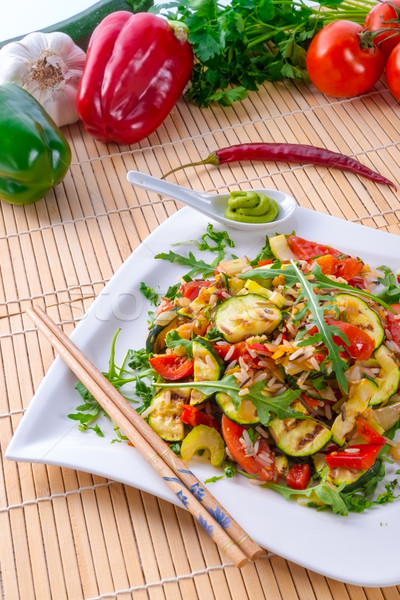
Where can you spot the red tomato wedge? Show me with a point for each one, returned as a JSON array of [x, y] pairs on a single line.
[[172, 366], [306, 250], [393, 323], [360, 345], [191, 289], [232, 432]]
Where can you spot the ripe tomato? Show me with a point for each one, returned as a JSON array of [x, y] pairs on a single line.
[[393, 72], [379, 18], [339, 64], [191, 289], [306, 250], [232, 432], [360, 346], [393, 324], [172, 366]]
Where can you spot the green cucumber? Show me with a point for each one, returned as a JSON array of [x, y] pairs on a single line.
[[243, 316], [299, 437], [208, 366], [245, 415], [81, 25]]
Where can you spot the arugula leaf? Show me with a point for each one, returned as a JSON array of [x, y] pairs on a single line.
[[174, 340], [391, 291], [149, 293], [198, 267], [279, 405], [323, 492]]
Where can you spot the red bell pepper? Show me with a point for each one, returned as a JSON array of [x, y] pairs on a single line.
[[299, 476], [358, 456], [193, 416], [136, 69], [368, 433]]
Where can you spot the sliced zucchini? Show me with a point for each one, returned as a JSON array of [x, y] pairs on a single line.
[[240, 317], [274, 296], [247, 413], [344, 423], [359, 313], [280, 248], [282, 465], [155, 341], [389, 378], [299, 437], [165, 416], [208, 366], [206, 438]]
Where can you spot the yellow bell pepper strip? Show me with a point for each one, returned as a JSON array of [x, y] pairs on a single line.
[[35, 155], [137, 66]]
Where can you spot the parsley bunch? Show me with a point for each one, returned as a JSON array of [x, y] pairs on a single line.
[[241, 44]]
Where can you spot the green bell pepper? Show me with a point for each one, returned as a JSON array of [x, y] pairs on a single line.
[[34, 154]]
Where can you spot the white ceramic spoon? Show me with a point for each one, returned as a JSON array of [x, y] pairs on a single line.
[[213, 205]]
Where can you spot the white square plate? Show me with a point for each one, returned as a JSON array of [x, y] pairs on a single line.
[[360, 549]]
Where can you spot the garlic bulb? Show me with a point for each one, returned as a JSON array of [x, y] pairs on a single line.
[[49, 66]]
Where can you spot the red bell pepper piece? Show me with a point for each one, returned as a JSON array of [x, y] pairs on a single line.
[[298, 476], [193, 416], [358, 456], [135, 71], [368, 433]]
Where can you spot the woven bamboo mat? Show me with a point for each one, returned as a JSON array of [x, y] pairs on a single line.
[[70, 535]]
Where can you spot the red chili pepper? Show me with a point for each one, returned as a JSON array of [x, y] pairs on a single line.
[[136, 69], [193, 416], [298, 476], [298, 153], [359, 456]]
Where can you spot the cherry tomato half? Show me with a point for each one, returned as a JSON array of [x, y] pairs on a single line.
[[232, 432], [379, 18], [339, 65], [172, 366]]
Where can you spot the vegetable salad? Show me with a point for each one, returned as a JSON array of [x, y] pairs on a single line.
[[284, 368]]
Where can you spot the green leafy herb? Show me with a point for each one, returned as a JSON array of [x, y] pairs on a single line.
[[197, 266], [266, 406], [391, 290], [321, 493], [149, 293], [240, 44], [264, 254], [174, 340]]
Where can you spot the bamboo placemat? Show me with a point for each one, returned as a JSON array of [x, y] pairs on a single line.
[[70, 535]]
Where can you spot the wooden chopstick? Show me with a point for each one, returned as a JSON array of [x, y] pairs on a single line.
[[222, 528]]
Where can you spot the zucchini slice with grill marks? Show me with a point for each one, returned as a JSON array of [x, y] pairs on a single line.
[[245, 415], [345, 422], [165, 417], [358, 313], [208, 366], [242, 316], [299, 437]]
